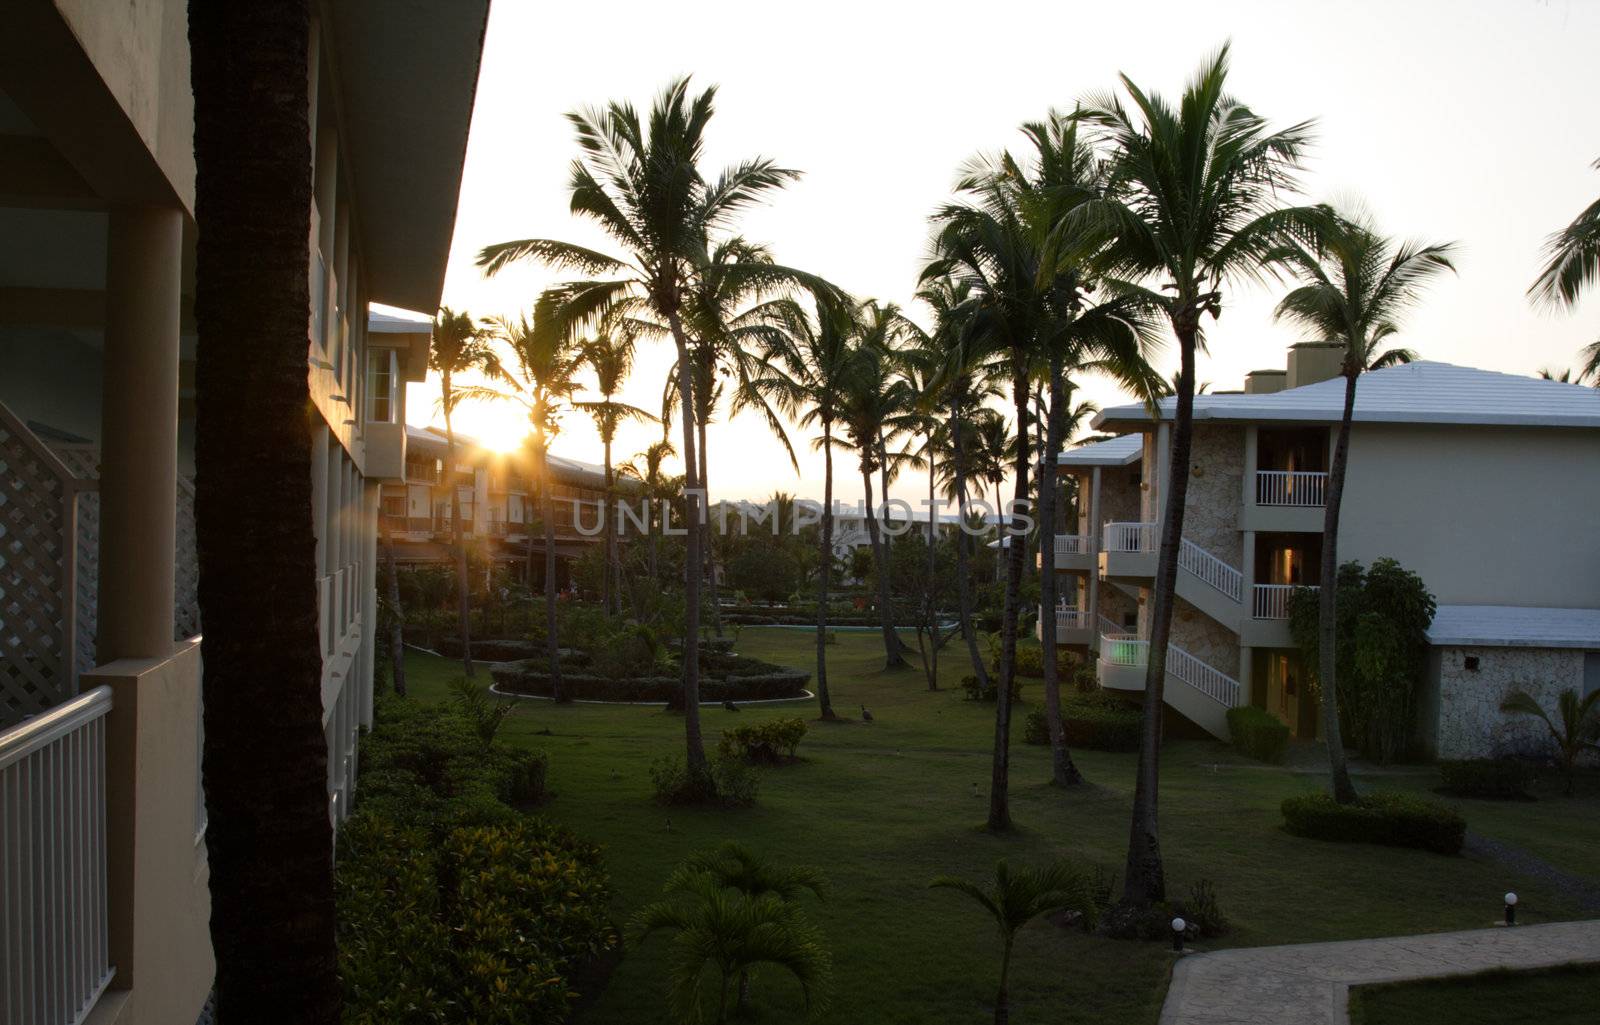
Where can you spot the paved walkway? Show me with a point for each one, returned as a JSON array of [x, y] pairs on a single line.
[[1309, 983]]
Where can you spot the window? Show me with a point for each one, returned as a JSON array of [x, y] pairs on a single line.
[[380, 386]]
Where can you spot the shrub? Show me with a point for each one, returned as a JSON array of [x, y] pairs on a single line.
[[766, 743], [1200, 911], [1383, 817], [1035, 730], [725, 677], [991, 693], [1101, 722], [1258, 734], [1495, 778], [1203, 911], [726, 781]]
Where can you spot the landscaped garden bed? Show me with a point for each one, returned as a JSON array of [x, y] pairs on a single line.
[[724, 677]]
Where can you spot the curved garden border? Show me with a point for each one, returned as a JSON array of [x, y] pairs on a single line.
[[494, 688]]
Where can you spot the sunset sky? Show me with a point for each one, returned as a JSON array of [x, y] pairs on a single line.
[[1450, 121]]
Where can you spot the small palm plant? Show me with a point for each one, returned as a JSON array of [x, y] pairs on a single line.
[[722, 932], [1017, 898], [1575, 728]]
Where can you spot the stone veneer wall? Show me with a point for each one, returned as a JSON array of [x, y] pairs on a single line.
[[1205, 638], [1114, 605], [1119, 494], [1216, 481], [1470, 723]]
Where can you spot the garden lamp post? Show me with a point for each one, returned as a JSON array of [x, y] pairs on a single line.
[[1511, 909], [1178, 926]]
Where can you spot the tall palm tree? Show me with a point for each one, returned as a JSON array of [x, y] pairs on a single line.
[[1194, 203], [1572, 268], [266, 756], [543, 378], [1354, 291], [659, 488], [640, 180], [609, 355], [460, 346], [1017, 898]]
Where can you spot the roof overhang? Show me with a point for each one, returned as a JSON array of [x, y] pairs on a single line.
[[1514, 626]]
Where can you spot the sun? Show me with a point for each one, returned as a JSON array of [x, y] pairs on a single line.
[[500, 428]]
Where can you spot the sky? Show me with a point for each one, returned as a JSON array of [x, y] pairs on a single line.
[[1464, 121]]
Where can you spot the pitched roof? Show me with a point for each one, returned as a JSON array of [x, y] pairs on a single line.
[[1515, 626], [1423, 392], [1119, 451]]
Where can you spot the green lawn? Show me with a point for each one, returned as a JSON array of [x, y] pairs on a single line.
[[1555, 996], [884, 807]]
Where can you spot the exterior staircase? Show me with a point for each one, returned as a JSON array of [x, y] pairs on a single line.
[[1199, 691]]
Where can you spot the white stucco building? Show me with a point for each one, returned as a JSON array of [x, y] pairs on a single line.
[[1485, 484]]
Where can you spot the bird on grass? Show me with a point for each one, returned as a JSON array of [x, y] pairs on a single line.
[[866, 714], [729, 706]]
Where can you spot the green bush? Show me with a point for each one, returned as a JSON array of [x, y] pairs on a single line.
[[726, 781], [991, 693], [487, 925], [1035, 730], [768, 743], [1504, 779], [1258, 734], [724, 678], [1100, 722], [1384, 817]]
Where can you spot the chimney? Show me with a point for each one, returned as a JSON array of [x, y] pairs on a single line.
[[1310, 362], [1263, 382]]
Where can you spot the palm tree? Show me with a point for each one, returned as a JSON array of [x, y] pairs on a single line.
[[1354, 292], [1577, 731], [266, 756], [640, 181], [546, 375], [725, 933], [1572, 269], [1016, 899], [1193, 203], [1562, 376], [610, 356], [460, 346], [659, 489]]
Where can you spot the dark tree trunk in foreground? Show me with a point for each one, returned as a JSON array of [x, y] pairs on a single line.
[[269, 841], [552, 642], [1063, 771], [892, 659], [963, 561], [825, 565], [608, 520], [930, 612], [1013, 548], [463, 583], [1344, 791], [705, 537], [397, 618], [694, 743], [1145, 877]]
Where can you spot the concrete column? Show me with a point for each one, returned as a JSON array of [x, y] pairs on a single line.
[[1093, 534], [1247, 571], [139, 435], [369, 595], [1251, 458], [1246, 672]]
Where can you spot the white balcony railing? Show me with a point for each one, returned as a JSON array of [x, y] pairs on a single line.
[[1130, 537], [1202, 676], [54, 954], [1211, 569], [1071, 619], [1283, 487], [1071, 544], [1124, 650], [1271, 601]]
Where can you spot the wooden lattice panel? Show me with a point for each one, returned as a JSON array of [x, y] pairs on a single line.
[[186, 594], [36, 670]]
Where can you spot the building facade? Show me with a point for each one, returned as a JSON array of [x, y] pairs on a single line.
[[1481, 483], [100, 652]]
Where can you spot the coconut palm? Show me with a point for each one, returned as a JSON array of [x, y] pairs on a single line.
[[1563, 376], [659, 489], [1572, 268], [460, 346], [1575, 729], [1017, 898], [1354, 292], [1193, 204], [609, 355], [640, 180], [545, 376], [721, 934]]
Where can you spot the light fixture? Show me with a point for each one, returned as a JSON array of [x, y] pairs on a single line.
[[1511, 909], [1178, 926]]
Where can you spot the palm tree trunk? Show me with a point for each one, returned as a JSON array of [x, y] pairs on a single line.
[[397, 636], [608, 516], [705, 535], [693, 741], [1145, 878], [930, 614], [463, 585], [265, 753], [963, 548], [892, 659], [1344, 791], [999, 780], [999, 555], [1002, 999], [824, 700], [552, 642], [1063, 772]]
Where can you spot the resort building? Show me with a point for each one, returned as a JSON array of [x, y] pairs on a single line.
[[1482, 483], [104, 904]]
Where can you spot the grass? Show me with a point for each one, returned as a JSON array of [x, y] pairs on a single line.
[[1551, 996], [884, 807]]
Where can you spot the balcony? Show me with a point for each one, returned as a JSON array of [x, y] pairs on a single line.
[[385, 457], [1291, 488], [1129, 551], [1073, 552], [1073, 626], [1267, 625], [1271, 601]]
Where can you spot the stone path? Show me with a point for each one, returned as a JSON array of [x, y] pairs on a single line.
[[1309, 983]]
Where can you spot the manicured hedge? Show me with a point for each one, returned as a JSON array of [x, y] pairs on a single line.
[[756, 681], [769, 742], [1505, 779], [502, 650], [1383, 817], [1258, 734], [1096, 722]]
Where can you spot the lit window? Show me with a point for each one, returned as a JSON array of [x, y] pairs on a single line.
[[380, 385]]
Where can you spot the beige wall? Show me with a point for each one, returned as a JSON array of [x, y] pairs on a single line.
[[1487, 516]]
